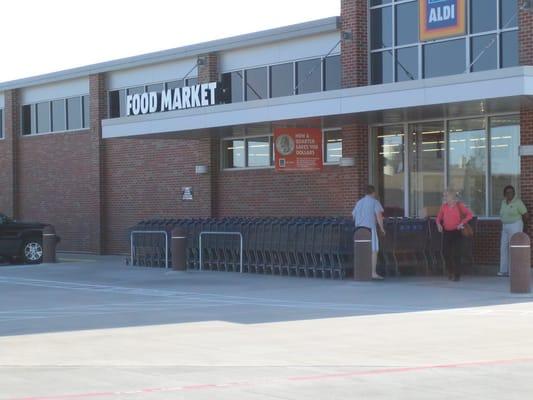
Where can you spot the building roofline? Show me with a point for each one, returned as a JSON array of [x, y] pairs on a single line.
[[250, 39]]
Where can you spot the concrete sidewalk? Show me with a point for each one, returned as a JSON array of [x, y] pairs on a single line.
[[92, 328]]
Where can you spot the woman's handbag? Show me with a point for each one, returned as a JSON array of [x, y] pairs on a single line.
[[467, 230]]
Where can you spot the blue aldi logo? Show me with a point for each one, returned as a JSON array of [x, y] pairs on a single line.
[[441, 18]]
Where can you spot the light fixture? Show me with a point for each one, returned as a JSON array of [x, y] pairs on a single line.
[[201, 61], [202, 169], [527, 5], [347, 36]]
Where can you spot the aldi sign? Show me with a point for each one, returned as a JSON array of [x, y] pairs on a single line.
[[441, 19]]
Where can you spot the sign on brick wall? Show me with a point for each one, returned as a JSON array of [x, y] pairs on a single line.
[[298, 149], [442, 18]]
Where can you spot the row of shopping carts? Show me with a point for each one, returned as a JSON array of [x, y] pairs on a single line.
[[310, 247], [416, 244]]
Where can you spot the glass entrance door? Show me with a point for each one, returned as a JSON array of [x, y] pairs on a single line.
[[427, 160], [390, 168]]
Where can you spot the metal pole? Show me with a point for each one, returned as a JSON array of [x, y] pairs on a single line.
[[200, 250], [166, 250], [240, 234]]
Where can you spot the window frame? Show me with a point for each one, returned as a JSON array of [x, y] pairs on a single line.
[[33, 116], [488, 137], [2, 124], [420, 45], [325, 132]]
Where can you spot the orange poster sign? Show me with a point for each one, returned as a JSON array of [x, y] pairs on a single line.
[[298, 149]]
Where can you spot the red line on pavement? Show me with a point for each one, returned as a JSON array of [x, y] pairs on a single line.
[[309, 378]]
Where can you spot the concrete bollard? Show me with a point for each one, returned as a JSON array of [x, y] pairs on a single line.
[[520, 266], [179, 249], [49, 244], [362, 250]]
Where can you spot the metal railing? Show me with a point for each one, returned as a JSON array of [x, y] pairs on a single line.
[[132, 235], [220, 233]]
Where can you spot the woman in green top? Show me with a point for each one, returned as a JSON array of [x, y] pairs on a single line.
[[513, 213]]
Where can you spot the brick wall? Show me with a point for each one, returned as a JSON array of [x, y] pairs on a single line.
[[8, 155], [56, 186], [143, 179]]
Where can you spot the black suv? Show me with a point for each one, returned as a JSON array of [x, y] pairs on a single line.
[[21, 240]]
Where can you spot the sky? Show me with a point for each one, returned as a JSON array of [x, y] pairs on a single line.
[[47, 36]]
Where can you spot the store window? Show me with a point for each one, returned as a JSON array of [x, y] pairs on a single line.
[[477, 157], [256, 83], [74, 113], [59, 116], [86, 112], [332, 73], [332, 146], [55, 116], [444, 58], [1, 123], [282, 80], [43, 117], [232, 87], [491, 41], [234, 154], [381, 67], [309, 76], [258, 152], [467, 168], [505, 161]]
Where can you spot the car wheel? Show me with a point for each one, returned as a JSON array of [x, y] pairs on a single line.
[[32, 251]]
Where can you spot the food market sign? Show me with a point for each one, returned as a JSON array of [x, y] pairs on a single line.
[[298, 149], [202, 95], [441, 18]]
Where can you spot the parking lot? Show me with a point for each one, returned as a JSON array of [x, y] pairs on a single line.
[[93, 328]]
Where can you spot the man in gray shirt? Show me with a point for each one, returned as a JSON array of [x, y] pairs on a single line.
[[368, 213]]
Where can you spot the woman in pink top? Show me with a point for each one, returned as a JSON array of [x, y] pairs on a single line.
[[452, 217]]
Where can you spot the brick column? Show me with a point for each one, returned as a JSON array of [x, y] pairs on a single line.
[[98, 112], [354, 52], [208, 72], [526, 36], [12, 132]]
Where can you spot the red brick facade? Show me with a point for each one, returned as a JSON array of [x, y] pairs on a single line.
[[93, 190]]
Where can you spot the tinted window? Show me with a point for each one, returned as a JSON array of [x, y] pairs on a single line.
[[28, 126], [381, 68], [59, 115], [258, 152], [468, 161], [309, 76], [504, 159], [282, 80], [175, 84], [484, 53], [407, 23], [74, 113], [115, 99], [256, 83], [86, 112], [157, 87], [332, 146], [232, 84], [1, 123], [43, 117], [509, 49], [136, 90], [332, 73], [234, 154], [381, 28], [407, 64], [446, 58], [192, 81], [483, 15], [508, 14], [379, 2]]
